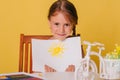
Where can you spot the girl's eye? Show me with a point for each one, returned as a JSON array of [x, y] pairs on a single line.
[[67, 25], [56, 24]]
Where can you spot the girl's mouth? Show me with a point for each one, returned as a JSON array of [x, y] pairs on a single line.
[[61, 34]]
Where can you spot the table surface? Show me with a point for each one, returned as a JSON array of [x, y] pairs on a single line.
[[62, 76], [59, 76]]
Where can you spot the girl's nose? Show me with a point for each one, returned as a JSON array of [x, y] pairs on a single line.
[[62, 29]]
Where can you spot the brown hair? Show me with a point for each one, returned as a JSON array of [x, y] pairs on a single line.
[[65, 7]]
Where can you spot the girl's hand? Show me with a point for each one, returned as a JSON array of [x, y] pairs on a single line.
[[49, 69], [70, 68]]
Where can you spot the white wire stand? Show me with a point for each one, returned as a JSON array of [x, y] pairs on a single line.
[[88, 69]]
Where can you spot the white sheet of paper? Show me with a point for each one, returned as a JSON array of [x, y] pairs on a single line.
[[56, 54]]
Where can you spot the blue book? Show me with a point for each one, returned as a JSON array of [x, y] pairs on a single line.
[[19, 76]]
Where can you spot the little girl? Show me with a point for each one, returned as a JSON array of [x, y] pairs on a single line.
[[62, 19]]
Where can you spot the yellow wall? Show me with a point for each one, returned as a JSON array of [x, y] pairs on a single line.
[[99, 20]]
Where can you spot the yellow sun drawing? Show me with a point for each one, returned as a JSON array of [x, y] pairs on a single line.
[[56, 49]]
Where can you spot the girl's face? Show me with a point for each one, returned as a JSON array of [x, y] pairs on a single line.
[[60, 26]]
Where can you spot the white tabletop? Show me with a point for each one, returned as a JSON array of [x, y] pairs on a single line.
[[64, 76], [59, 76]]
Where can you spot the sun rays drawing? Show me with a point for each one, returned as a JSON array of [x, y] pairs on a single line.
[[56, 49]]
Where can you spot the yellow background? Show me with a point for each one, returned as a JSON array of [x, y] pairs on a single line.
[[99, 20]]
